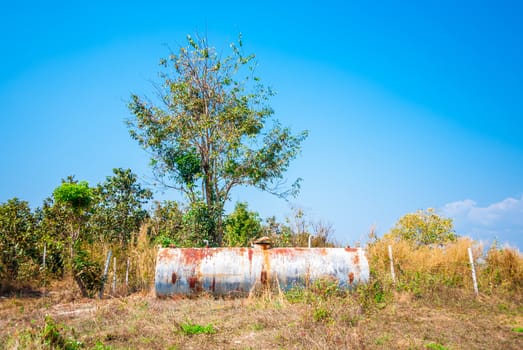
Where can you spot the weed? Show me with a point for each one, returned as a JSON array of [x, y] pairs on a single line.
[[375, 294], [383, 339], [52, 336], [321, 314], [258, 327], [190, 328], [100, 346], [435, 346], [325, 288], [517, 329], [296, 295]]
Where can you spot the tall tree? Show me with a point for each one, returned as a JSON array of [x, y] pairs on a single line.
[[211, 129]]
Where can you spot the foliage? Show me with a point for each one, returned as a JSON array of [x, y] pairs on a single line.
[[17, 238], [77, 195], [424, 228], [241, 226], [183, 227], [209, 132], [119, 211]]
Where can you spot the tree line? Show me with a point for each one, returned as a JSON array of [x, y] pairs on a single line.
[[77, 222]]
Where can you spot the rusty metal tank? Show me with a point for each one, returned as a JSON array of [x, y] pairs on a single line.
[[224, 271]]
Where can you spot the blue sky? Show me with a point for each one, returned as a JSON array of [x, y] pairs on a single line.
[[410, 104]]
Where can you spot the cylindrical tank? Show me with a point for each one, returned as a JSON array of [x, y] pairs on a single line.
[[222, 271]]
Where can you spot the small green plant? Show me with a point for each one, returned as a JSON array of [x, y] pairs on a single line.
[[190, 328], [517, 329], [295, 295], [435, 346], [325, 288], [321, 314], [383, 339], [100, 346], [375, 294], [52, 335], [258, 327]]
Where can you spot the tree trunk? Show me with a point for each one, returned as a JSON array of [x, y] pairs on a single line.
[[80, 284]]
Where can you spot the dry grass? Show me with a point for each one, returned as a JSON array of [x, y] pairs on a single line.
[[301, 319], [432, 306], [428, 269]]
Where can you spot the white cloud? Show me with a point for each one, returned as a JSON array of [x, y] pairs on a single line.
[[502, 221]]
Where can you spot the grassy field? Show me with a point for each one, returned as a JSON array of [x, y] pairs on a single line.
[[431, 305], [321, 318]]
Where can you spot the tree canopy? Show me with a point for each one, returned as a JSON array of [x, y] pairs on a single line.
[[424, 227], [211, 129]]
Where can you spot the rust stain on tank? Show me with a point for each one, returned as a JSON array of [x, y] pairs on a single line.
[[322, 252], [195, 284], [263, 277], [250, 252], [174, 278], [194, 256], [286, 251], [351, 250], [356, 259], [213, 285], [351, 277], [266, 268], [165, 254]]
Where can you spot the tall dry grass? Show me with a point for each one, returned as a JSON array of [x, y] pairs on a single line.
[[423, 269], [143, 257], [503, 270]]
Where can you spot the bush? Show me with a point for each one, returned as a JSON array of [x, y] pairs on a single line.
[[88, 273]]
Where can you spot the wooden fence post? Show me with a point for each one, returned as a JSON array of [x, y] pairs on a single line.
[[127, 273], [392, 273], [106, 270], [114, 276], [474, 280]]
